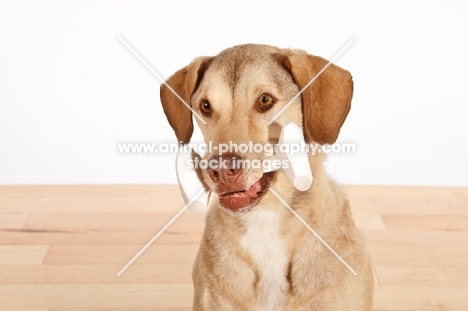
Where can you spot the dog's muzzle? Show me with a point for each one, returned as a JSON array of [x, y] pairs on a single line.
[[231, 193]]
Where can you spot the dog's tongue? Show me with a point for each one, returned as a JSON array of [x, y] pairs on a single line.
[[237, 200]]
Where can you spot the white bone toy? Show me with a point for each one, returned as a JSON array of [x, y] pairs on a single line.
[[189, 183], [297, 169]]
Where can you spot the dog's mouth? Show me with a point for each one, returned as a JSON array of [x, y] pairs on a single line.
[[245, 199]]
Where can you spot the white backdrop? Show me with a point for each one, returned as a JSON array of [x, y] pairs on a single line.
[[70, 91]]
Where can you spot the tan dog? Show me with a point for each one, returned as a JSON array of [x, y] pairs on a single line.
[[255, 254]]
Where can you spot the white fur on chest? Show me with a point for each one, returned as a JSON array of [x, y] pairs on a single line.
[[264, 243]]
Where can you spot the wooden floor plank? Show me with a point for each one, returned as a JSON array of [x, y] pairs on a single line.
[[92, 205], [187, 221], [417, 238], [420, 298], [50, 274], [390, 192], [83, 237], [122, 309], [425, 222], [22, 254], [13, 220], [368, 221], [409, 206], [95, 295], [410, 256], [114, 254], [423, 277], [96, 191]]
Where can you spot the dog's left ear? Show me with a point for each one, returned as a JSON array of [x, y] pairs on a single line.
[[184, 83], [326, 101]]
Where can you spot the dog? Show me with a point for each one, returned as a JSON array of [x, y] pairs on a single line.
[[255, 254]]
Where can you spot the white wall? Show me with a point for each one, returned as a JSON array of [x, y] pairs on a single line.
[[70, 91]]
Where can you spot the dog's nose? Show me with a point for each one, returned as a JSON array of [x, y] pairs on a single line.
[[224, 168]]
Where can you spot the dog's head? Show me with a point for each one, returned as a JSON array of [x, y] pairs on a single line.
[[237, 93]]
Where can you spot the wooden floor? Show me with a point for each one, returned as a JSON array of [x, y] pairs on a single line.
[[61, 247]]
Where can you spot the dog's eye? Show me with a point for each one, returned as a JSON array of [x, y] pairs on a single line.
[[205, 108], [266, 101]]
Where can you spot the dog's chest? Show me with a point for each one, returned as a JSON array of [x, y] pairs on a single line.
[[263, 241]]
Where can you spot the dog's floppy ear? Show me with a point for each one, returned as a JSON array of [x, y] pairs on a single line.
[[326, 101], [183, 82]]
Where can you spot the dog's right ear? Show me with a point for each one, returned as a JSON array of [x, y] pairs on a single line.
[[183, 82]]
